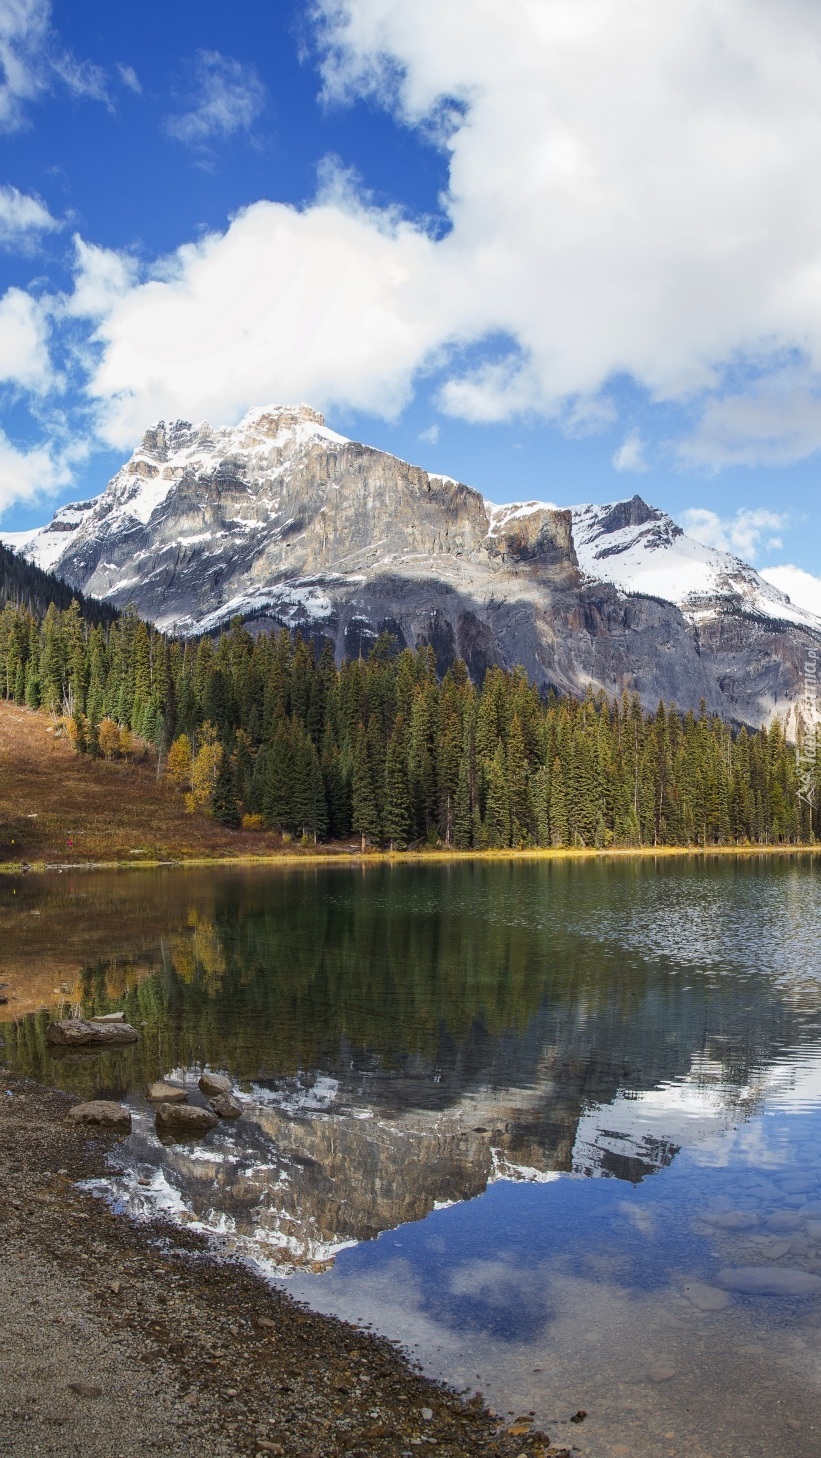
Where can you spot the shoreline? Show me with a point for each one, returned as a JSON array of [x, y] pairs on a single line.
[[422, 857], [132, 1337]]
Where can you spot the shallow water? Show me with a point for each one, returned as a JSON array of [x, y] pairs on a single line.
[[554, 1126]]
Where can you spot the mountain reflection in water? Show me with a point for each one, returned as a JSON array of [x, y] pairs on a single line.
[[404, 1036]]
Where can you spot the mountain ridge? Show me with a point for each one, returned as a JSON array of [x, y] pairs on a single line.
[[281, 520]]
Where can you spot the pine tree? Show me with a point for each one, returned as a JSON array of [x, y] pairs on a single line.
[[364, 806], [396, 820]]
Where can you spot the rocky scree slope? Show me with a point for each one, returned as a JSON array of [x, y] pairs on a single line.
[[282, 521]]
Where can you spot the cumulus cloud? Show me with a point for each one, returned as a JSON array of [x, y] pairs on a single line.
[[23, 218], [227, 97], [630, 454], [101, 277], [802, 588], [24, 356], [744, 534], [628, 197], [285, 305], [28, 474]]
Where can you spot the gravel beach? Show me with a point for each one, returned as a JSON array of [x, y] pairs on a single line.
[[119, 1339]]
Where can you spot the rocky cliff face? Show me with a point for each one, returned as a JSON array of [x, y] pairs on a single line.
[[283, 521]]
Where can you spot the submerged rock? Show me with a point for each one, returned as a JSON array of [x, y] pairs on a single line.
[[706, 1298], [214, 1083], [770, 1281], [184, 1121], [227, 1106], [166, 1093], [82, 1033], [104, 1113]]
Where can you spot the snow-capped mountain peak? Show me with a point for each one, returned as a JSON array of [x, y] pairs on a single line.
[[642, 550]]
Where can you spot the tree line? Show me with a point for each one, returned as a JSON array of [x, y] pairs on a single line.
[[269, 731]]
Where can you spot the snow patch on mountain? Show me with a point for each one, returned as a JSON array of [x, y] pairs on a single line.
[[500, 516]]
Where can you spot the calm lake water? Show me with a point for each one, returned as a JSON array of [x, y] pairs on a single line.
[[554, 1126]]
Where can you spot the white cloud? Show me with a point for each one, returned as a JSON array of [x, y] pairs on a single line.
[[285, 305], [31, 58], [629, 185], [744, 534], [776, 422], [101, 277], [24, 28], [27, 475], [24, 356], [630, 454], [630, 195], [129, 78], [431, 435], [801, 587], [23, 217], [227, 98]]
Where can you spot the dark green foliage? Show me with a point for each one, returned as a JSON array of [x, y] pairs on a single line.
[[381, 749]]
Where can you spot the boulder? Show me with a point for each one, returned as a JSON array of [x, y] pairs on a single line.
[[214, 1083], [166, 1093], [184, 1121], [226, 1105], [82, 1033], [102, 1113]]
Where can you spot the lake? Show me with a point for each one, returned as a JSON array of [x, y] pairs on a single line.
[[553, 1125]]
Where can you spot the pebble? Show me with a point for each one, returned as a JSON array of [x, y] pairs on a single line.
[[660, 1374]]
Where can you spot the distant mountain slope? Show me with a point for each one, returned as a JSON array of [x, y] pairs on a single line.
[[24, 583], [280, 519]]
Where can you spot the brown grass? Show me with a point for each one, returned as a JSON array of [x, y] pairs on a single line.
[[58, 807]]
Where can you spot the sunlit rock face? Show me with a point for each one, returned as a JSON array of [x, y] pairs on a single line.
[[282, 521]]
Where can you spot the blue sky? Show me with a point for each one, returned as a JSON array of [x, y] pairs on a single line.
[[568, 249]]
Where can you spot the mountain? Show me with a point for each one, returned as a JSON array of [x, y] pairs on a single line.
[[282, 521], [29, 586]]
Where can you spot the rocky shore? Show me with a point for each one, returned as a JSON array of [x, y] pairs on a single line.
[[119, 1340]]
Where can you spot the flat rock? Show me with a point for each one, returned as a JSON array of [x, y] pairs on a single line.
[[186, 1121], [770, 1281], [732, 1219], [706, 1298], [82, 1033], [103, 1113], [226, 1106], [116, 1017], [166, 1093], [214, 1083]]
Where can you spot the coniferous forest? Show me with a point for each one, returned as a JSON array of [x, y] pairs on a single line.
[[268, 732]]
